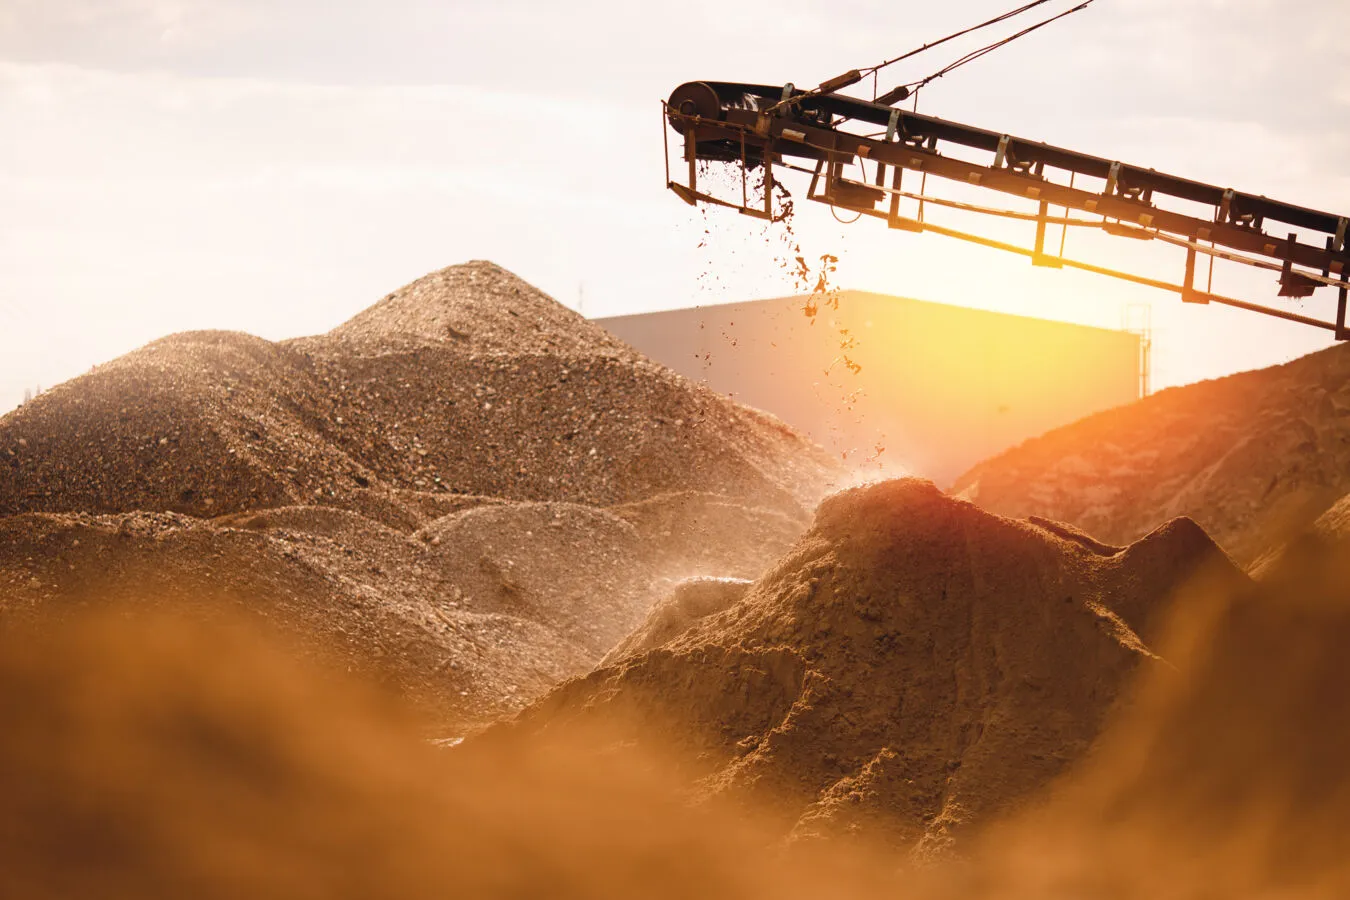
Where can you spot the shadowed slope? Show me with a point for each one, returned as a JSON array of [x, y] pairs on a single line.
[[913, 666], [1253, 458]]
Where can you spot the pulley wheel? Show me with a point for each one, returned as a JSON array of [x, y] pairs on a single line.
[[693, 99]]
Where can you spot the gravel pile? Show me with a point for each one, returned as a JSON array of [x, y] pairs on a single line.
[[601, 431], [914, 666], [378, 601], [472, 616], [391, 409], [482, 309], [1254, 458], [572, 568], [1226, 777], [202, 423], [1328, 536], [423, 489]]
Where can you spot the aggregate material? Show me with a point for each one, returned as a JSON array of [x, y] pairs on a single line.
[[1254, 458], [1328, 536], [466, 382], [467, 488], [912, 667], [473, 495]]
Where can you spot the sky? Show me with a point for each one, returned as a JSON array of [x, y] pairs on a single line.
[[275, 166]]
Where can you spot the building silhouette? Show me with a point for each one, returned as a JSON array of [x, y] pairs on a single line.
[[903, 385]]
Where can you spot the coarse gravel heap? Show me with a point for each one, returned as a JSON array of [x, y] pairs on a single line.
[[467, 489], [466, 382]]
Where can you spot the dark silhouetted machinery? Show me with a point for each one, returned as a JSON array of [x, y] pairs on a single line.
[[868, 157]]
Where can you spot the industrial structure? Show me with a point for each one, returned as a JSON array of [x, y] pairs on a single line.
[[938, 387], [905, 385], [874, 160]]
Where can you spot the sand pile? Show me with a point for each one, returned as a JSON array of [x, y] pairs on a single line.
[[131, 771], [914, 665], [465, 382], [1330, 534], [1227, 777], [473, 615], [1254, 458], [422, 488], [1248, 747], [412, 614]]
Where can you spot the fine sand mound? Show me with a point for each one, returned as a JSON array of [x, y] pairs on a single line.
[[374, 599], [131, 771], [1227, 777], [912, 666], [1330, 534], [467, 382], [474, 615], [1253, 458]]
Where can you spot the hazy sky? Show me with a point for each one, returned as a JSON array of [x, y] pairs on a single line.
[[276, 165]]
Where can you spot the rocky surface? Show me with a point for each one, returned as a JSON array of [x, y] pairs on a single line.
[[913, 666], [425, 491], [1254, 458], [521, 399]]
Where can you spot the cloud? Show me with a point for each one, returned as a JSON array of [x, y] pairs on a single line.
[[141, 204], [274, 165]]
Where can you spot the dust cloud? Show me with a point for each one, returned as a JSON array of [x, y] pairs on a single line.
[[149, 756]]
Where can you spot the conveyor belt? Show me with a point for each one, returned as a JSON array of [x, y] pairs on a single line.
[[757, 124]]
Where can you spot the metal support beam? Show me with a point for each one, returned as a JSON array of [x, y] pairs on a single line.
[[1205, 297], [1342, 334], [691, 155], [1039, 258], [1188, 292], [717, 117], [844, 148]]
